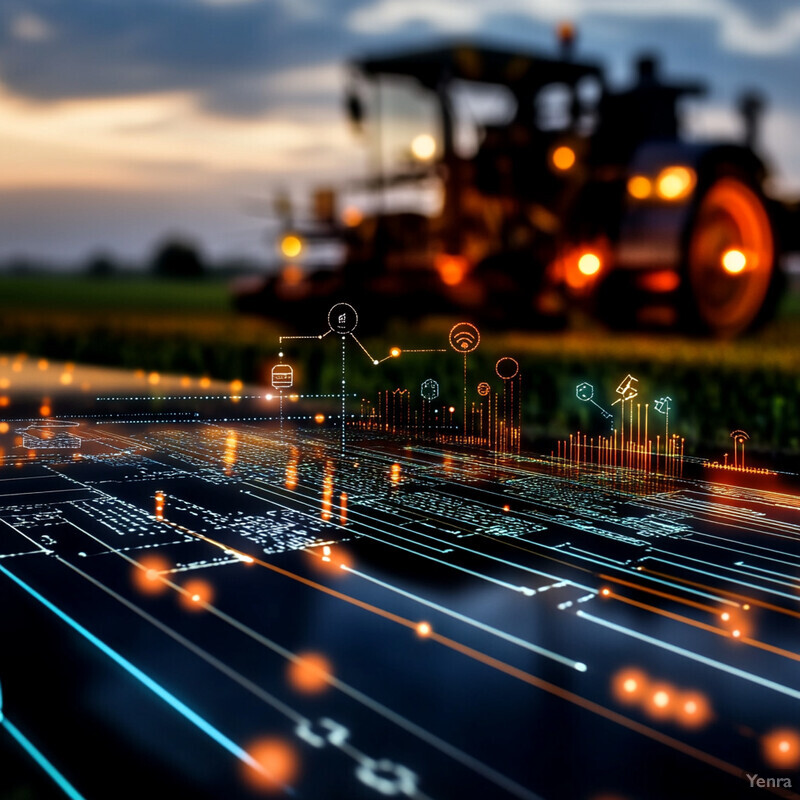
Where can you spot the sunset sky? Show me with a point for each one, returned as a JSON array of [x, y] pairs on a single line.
[[122, 121]]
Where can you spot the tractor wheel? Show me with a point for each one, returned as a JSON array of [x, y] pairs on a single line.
[[730, 270]]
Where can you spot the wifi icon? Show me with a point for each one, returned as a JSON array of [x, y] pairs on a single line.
[[464, 337]]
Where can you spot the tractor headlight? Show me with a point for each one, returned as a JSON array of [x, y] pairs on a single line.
[[675, 183]]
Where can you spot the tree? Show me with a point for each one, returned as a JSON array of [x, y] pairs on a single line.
[[177, 259]]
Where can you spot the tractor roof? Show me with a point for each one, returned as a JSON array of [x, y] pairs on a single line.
[[473, 62]]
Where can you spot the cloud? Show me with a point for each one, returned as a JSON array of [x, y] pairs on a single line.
[[742, 24], [27, 27]]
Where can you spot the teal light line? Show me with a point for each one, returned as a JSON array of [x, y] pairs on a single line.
[[170, 699], [31, 749]]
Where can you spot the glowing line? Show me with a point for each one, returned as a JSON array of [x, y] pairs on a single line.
[[656, 592], [355, 694], [366, 352], [40, 759], [578, 665], [710, 662], [142, 677], [720, 577], [752, 601], [589, 705]]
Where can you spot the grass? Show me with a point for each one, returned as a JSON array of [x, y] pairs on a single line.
[[190, 327], [119, 294]]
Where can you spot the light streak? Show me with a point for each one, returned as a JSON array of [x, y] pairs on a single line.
[[191, 716], [577, 665], [701, 659]]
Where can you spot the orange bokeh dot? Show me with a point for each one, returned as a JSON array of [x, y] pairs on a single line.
[[693, 710], [147, 576], [197, 592], [319, 418], [781, 748], [629, 685], [309, 674], [3, 427], [45, 410], [278, 765], [661, 702]]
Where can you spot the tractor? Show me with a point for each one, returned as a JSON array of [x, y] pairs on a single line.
[[511, 188]]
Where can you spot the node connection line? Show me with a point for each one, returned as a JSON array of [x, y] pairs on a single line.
[[34, 752], [192, 716]]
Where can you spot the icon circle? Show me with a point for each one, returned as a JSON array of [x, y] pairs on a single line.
[[507, 368], [484, 388], [464, 337], [342, 318]]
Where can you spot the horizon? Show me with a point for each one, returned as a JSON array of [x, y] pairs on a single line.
[[128, 124]]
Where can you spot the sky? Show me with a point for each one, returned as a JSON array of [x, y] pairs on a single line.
[[123, 122]]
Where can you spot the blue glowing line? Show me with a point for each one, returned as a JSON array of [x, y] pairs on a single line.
[[710, 662], [28, 746], [143, 678]]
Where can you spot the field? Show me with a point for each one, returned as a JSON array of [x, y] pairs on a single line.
[[190, 328]]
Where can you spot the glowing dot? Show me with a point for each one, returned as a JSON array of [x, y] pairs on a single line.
[[423, 147], [310, 673], [352, 216], [630, 685], [45, 410], [736, 634], [781, 748], [278, 765], [746, 606], [675, 182], [151, 575], [725, 616], [153, 378], [690, 707], [291, 246], [734, 261], [639, 187], [506, 508], [661, 699], [3, 427], [375, 362], [451, 409], [319, 418], [196, 591], [65, 378], [424, 629], [43, 363], [269, 397], [589, 264], [605, 592], [394, 352], [236, 386], [563, 158]]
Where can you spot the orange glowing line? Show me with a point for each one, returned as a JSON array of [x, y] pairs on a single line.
[[746, 640], [752, 601], [495, 663], [589, 705], [670, 614], [665, 595]]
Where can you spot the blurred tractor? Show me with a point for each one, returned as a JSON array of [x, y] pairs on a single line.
[[510, 187]]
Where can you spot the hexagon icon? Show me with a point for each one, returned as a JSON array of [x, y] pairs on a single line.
[[429, 389], [584, 391]]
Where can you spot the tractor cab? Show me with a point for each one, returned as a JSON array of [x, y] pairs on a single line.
[[492, 139], [513, 186]]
